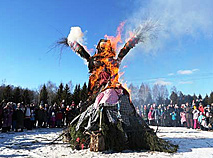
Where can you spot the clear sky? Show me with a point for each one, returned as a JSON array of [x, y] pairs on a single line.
[[182, 56]]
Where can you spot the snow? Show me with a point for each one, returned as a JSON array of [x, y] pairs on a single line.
[[36, 143]]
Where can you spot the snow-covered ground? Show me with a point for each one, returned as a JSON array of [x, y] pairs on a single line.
[[36, 143]]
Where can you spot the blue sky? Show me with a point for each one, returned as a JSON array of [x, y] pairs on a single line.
[[182, 56]]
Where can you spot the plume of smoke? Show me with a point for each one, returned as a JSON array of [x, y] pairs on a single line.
[[147, 31], [75, 34], [177, 19]]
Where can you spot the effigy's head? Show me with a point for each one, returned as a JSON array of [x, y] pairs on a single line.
[[104, 47]]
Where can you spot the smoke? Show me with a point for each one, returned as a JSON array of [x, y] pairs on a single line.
[[177, 19], [75, 34]]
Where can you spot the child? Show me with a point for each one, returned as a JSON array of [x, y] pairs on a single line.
[[173, 114], [195, 117], [202, 121], [183, 118]]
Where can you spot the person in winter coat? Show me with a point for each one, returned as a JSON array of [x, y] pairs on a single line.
[[195, 113], [14, 118], [150, 116], [59, 117], [63, 110], [177, 111], [174, 115], [7, 117], [200, 108], [189, 120], [32, 119], [202, 121], [166, 116], [183, 118], [1, 112], [52, 120], [40, 116], [20, 118], [162, 116], [169, 117], [207, 113], [156, 114], [27, 122]]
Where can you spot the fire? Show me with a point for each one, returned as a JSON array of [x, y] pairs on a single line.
[[131, 34], [115, 40], [106, 72], [109, 68]]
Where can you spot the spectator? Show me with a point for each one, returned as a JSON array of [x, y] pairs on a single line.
[[189, 116], [162, 117], [145, 112], [40, 116], [173, 114], [63, 110], [202, 121], [59, 118], [201, 108], [14, 118], [183, 117], [177, 111], [150, 116], [52, 120], [207, 113], [27, 121], [195, 117], [7, 117], [32, 119], [156, 114], [1, 113], [20, 118]]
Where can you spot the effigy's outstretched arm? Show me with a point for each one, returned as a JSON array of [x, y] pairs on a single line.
[[79, 49], [129, 45]]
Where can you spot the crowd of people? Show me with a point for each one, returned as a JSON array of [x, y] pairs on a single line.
[[193, 115], [17, 117]]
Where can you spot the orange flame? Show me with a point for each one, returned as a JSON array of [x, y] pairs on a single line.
[[115, 40], [108, 69]]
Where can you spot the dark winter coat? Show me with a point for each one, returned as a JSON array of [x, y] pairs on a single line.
[[1, 115], [40, 115], [7, 116], [156, 114], [20, 118], [188, 113]]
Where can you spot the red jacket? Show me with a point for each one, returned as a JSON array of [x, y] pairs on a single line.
[[201, 109], [59, 115]]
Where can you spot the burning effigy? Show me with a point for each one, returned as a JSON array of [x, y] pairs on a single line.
[[109, 120]]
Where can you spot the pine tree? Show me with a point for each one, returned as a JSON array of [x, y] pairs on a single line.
[[211, 98], [59, 94], [44, 95], [174, 98], [84, 92], [66, 96], [181, 98], [206, 100], [17, 95], [26, 97], [199, 97], [77, 94], [188, 99], [7, 93], [194, 97]]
